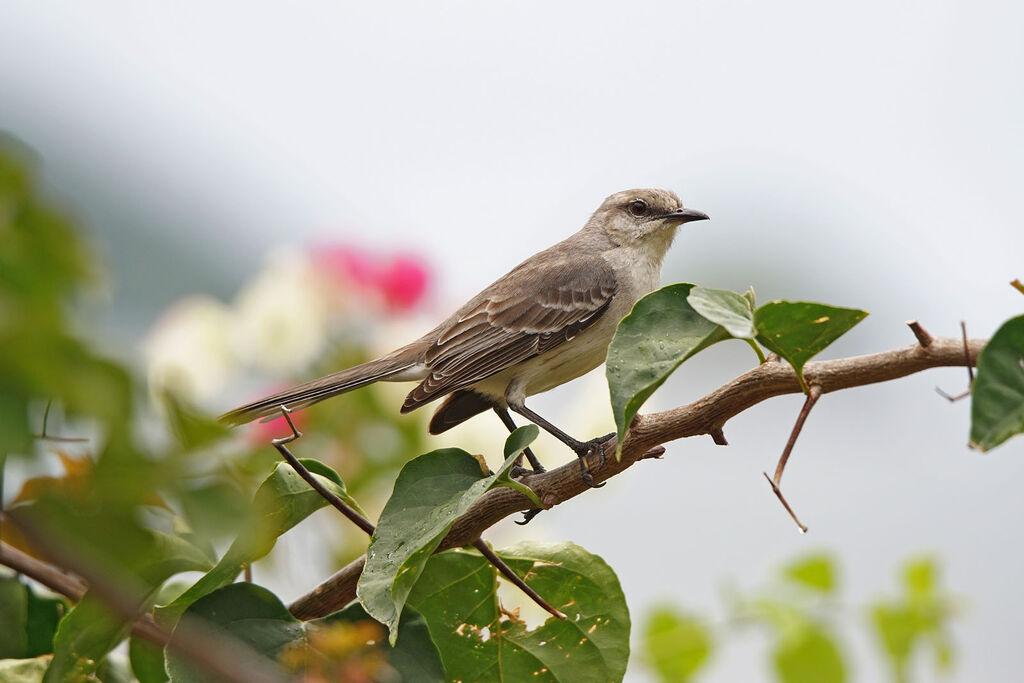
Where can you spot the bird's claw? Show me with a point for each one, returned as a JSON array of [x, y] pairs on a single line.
[[592, 447], [528, 515]]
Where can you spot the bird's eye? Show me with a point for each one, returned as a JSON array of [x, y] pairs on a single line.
[[638, 207]]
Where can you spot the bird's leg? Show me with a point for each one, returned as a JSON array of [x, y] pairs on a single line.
[[581, 448], [507, 420]]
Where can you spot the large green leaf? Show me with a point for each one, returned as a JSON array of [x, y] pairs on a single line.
[[661, 332], [457, 595], [282, 500], [798, 331], [997, 401], [677, 645], [431, 492], [248, 612], [28, 621]]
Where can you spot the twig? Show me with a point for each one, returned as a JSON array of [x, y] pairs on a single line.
[[718, 436], [219, 655], [970, 371], [1018, 285], [562, 483], [328, 495], [507, 572], [813, 394], [923, 338]]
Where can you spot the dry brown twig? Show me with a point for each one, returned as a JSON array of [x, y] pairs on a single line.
[[707, 415]]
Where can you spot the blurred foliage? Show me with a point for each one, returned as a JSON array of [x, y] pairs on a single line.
[[802, 613]]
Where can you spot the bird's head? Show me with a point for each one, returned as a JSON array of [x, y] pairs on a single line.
[[646, 215]]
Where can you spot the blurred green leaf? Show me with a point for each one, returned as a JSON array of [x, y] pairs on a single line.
[[997, 398], [193, 430], [661, 332], [248, 612], [147, 661], [457, 595], [13, 618], [414, 656], [919, 618], [733, 311], [798, 331], [809, 655], [677, 645], [816, 572], [283, 500], [431, 492]]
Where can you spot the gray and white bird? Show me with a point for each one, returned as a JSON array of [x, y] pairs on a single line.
[[547, 321]]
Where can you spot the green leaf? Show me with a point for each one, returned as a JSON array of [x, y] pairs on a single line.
[[193, 429], [13, 618], [431, 492], [414, 656], [809, 655], [91, 629], [457, 595], [798, 331], [515, 444], [282, 500], [997, 400], [147, 661], [677, 645], [248, 612], [816, 572], [661, 332], [733, 311]]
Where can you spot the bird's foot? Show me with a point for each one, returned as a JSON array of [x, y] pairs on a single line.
[[584, 450]]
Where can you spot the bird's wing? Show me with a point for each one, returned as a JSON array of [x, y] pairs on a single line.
[[509, 324]]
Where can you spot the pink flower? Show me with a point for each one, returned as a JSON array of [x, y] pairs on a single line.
[[398, 281]]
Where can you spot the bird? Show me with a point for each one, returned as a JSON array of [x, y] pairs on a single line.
[[547, 321]]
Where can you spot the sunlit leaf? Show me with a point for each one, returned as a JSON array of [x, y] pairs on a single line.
[[677, 645], [457, 595], [997, 399], [732, 311], [660, 333], [431, 492]]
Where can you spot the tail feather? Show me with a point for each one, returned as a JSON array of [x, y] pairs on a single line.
[[394, 367]]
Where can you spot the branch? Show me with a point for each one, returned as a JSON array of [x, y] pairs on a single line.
[[707, 415]]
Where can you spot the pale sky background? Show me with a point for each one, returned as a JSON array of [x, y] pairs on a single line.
[[868, 154]]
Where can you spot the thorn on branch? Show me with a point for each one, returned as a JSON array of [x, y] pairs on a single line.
[[718, 436], [923, 338], [653, 454], [967, 364], [813, 394], [332, 498], [1018, 285], [507, 572]]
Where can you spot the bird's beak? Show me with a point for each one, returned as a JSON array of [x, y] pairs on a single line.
[[683, 215]]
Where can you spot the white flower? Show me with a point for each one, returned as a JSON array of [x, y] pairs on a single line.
[[188, 351], [280, 322]]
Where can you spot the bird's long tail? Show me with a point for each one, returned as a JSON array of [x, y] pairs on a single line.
[[401, 365]]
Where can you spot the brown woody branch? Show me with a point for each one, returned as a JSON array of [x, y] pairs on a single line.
[[707, 415]]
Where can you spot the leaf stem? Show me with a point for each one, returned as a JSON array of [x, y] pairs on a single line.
[[761, 360], [507, 572]]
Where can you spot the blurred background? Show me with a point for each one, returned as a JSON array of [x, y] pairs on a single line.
[[224, 157]]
